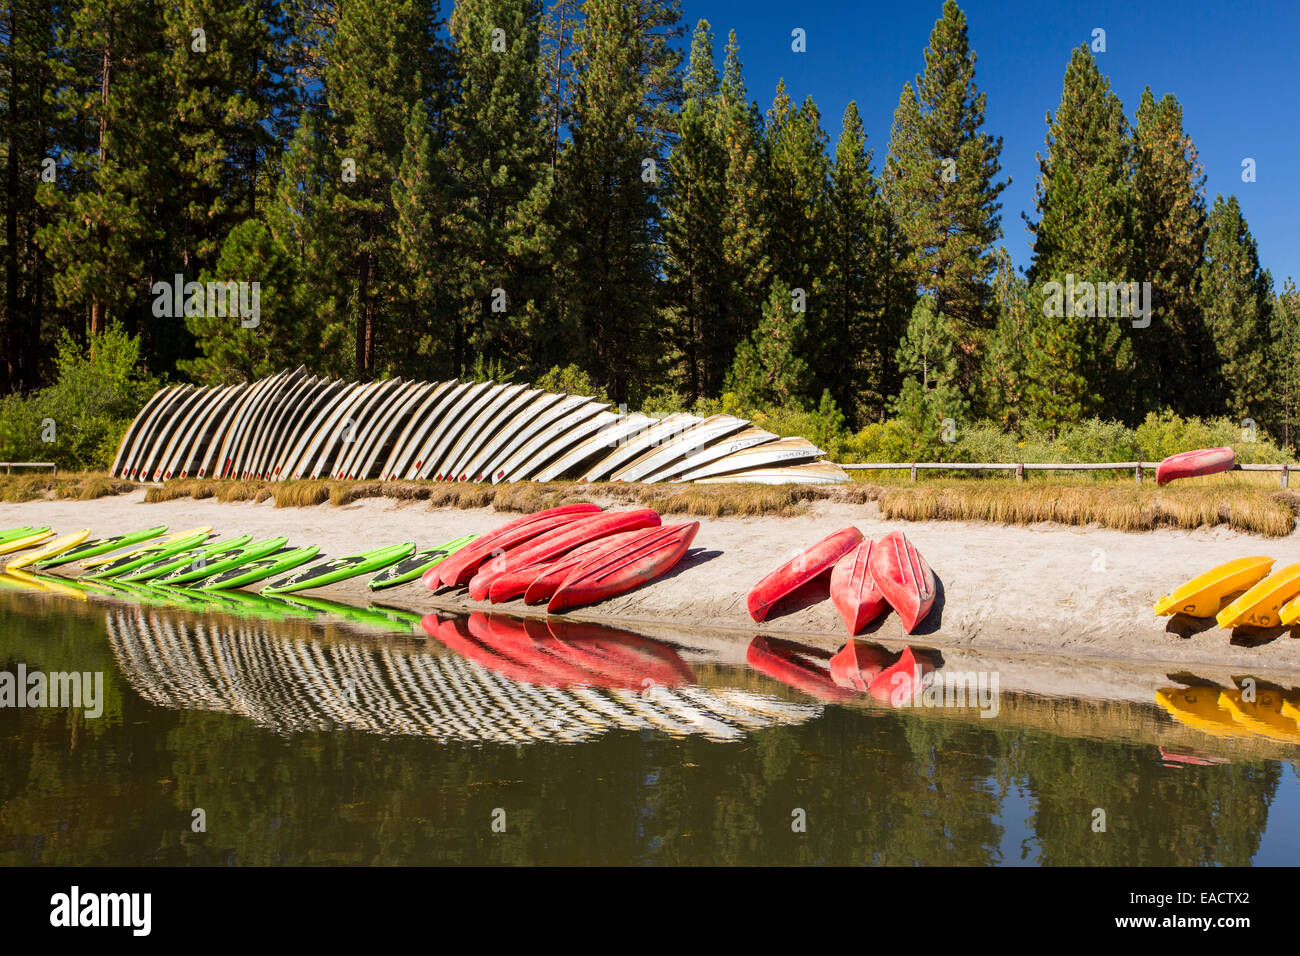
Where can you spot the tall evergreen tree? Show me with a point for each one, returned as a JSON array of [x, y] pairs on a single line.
[[1285, 364], [941, 180], [769, 369], [930, 400], [1234, 296], [1169, 193], [1085, 227]]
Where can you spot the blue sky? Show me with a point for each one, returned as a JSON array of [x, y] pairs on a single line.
[[1232, 66]]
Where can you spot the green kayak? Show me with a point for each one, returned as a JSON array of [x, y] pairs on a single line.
[[181, 559], [256, 606], [223, 561], [349, 612], [340, 569], [98, 546], [138, 559], [267, 567], [408, 569]]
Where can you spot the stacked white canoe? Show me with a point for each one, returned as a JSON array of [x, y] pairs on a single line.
[[295, 425]]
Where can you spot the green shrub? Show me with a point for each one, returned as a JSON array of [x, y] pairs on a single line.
[[573, 380]]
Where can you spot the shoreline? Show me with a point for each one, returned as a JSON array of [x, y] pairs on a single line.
[[1052, 592]]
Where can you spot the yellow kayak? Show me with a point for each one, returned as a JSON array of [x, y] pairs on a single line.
[[1203, 595], [1260, 605], [1264, 715], [26, 541], [1198, 707], [1290, 612], [57, 546], [151, 543]]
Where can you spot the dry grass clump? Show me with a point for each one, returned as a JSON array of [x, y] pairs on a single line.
[[1123, 506], [80, 486]]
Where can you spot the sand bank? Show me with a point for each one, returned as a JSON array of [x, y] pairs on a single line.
[[1043, 591]]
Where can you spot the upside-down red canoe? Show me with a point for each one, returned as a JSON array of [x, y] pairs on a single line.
[[550, 546], [548, 577], [1192, 464], [641, 560], [801, 569], [795, 665], [853, 590], [903, 577], [460, 567], [898, 683], [856, 664]]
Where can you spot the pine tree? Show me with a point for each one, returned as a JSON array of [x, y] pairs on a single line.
[[941, 182], [626, 75], [769, 370], [1285, 365], [930, 400], [1085, 225], [1234, 296], [696, 302], [1003, 371], [1169, 193], [867, 298]]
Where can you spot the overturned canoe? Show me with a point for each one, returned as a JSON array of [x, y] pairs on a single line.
[[638, 562], [801, 569], [461, 566], [904, 578], [853, 590], [1193, 464]]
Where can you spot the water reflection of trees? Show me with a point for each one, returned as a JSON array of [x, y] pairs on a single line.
[[882, 787]]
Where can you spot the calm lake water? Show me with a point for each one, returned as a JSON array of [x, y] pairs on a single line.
[[256, 732]]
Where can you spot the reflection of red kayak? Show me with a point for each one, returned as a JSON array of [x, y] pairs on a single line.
[[1192, 464], [803, 568], [903, 577], [897, 684], [1194, 758], [588, 655], [639, 561], [856, 664], [460, 567], [550, 546], [853, 590], [795, 665]]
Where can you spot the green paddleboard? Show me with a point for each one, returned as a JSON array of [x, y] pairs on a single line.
[[349, 612], [255, 571], [223, 561], [138, 559], [157, 569], [10, 533], [340, 569], [97, 546], [408, 569]]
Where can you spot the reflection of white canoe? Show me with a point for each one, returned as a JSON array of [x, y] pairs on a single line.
[[783, 451], [809, 473], [295, 425]]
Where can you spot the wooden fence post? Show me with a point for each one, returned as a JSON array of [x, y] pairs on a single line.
[[1285, 477], [1139, 473], [914, 471], [1020, 472]]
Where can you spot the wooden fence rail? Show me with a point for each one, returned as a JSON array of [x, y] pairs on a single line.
[[1137, 467], [10, 465]]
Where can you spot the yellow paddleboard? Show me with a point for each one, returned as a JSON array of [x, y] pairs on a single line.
[[151, 543], [1198, 707], [46, 584], [18, 544], [57, 546], [1202, 595], [1260, 605], [1263, 715]]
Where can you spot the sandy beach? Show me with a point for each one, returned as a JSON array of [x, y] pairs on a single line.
[[1046, 592]]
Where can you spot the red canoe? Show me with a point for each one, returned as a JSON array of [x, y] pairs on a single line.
[[641, 560], [903, 577], [460, 567], [803, 568], [854, 592], [856, 665], [1191, 464], [549, 576], [897, 684], [796, 666], [550, 546]]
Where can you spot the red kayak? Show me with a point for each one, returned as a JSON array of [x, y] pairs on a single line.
[[550, 546], [856, 665], [627, 660], [903, 577], [549, 576], [853, 590], [641, 560], [897, 684], [800, 570], [796, 666], [460, 567], [1191, 464]]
